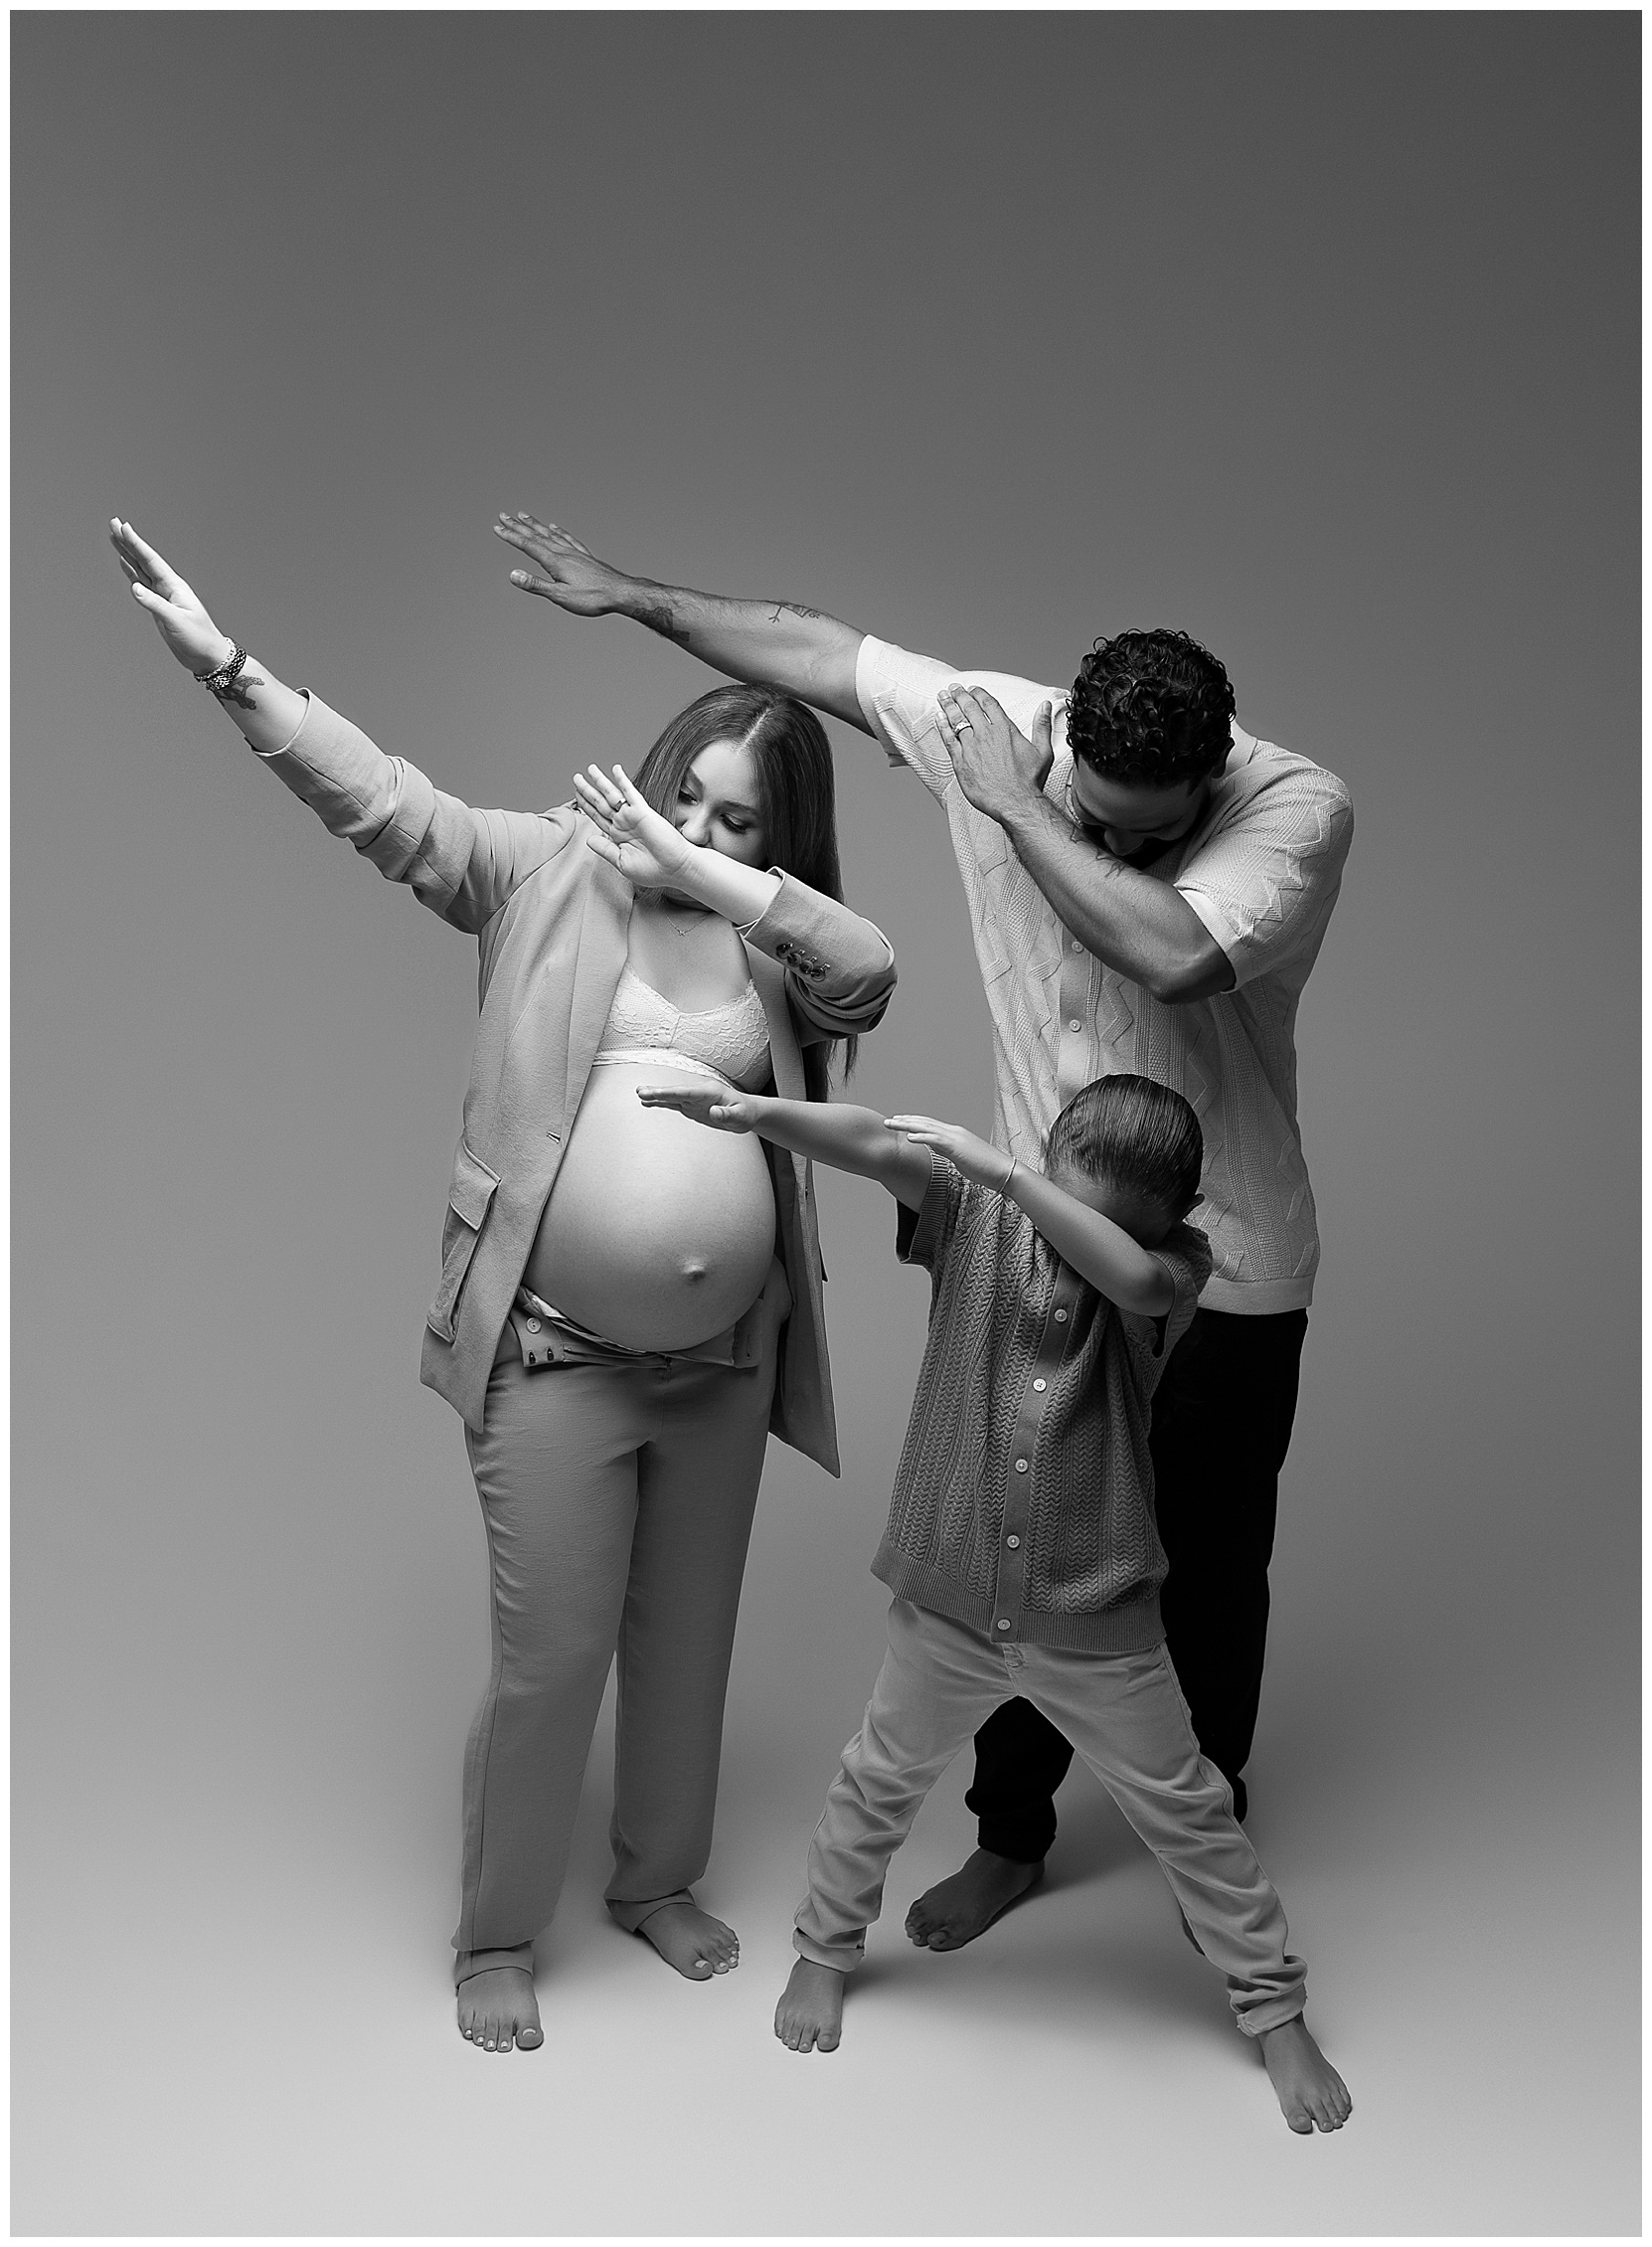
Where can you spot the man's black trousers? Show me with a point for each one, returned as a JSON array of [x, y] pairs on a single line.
[[1221, 1418]]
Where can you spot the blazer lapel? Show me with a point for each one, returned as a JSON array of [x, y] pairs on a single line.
[[604, 933]]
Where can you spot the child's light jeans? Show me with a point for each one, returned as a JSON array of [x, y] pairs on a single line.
[[1125, 1715]]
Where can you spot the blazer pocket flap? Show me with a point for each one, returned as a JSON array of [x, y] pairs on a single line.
[[474, 1187]]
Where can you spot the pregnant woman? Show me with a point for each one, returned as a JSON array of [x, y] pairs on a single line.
[[627, 1304]]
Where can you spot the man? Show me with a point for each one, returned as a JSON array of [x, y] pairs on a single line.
[[1149, 887]]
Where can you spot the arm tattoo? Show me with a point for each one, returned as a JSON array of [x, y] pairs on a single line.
[[658, 616], [797, 608], [240, 691]]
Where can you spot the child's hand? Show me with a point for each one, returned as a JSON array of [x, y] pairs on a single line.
[[986, 1165], [723, 1110]]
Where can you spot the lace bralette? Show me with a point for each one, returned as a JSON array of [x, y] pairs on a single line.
[[731, 1039]]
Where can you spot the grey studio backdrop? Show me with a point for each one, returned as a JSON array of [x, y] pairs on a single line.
[[1314, 334]]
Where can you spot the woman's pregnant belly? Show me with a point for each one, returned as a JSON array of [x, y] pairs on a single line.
[[658, 1232]]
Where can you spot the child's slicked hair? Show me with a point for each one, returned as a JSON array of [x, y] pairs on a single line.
[[1132, 1132]]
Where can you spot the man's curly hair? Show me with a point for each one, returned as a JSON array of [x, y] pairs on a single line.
[[1150, 708]]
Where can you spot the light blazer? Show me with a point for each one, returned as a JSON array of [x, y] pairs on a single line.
[[553, 919]]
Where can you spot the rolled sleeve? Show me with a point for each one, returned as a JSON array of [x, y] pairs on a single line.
[[924, 1235], [1264, 886], [897, 692]]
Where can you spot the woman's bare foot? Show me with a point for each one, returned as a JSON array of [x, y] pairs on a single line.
[[809, 2016], [498, 2008], [690, 1940], [1311, 2093], [954, 1911]]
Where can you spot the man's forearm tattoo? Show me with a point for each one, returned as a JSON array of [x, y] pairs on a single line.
[[796, 609], [240, 691], [660, 617]]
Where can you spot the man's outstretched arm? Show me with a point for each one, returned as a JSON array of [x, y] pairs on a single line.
[[776, 644]]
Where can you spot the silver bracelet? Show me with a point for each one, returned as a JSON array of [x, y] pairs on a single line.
[[226, 674], [1009, 1177]]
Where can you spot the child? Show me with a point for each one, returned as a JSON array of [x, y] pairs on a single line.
[[1021, 1546]]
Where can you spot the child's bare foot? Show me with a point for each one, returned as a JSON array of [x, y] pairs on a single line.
[[690, 1940], [954, 1911], [498, 2008], [1310, 2090], [809, 2016]]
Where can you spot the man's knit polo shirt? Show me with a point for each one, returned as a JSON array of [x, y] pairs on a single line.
[[1024, 1499], [1261, 867]]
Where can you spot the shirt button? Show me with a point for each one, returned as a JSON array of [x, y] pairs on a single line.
[[1021, 1467], [1060, 1318], [1073, 1023], [1077, 946], [533, 1326], [1012, 1542], [1040, 1386], [1003, 1623]]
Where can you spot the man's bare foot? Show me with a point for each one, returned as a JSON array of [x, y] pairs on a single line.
[[954, 1911], [1311, 2093], [809, 2016], [498, 2008], [690, 1940]]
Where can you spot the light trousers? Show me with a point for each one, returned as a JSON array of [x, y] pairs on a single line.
[[1125, 1715], [617, 1498]]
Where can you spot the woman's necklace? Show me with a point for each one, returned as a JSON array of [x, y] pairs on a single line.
[[664, 911]]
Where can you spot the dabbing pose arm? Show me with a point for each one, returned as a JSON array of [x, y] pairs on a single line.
[[461, 863], [1078, 852], [892, 1150], [780, 643], [267, 713]]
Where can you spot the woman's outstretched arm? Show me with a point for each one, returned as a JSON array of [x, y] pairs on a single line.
[[461, 863], [267, 713]]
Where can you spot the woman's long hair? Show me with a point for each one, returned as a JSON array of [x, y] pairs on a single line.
[[796, 790]]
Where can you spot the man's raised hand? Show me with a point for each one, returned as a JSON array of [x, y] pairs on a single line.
[[997, 767], [573, 578]]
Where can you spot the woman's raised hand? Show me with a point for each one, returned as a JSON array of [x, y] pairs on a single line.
[[722, 1110], [179, 616], [573, 578], [630, 833], [987, 1165]]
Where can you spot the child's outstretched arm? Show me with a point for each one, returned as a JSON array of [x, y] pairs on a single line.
[[848, 1138], [1099, 1251]]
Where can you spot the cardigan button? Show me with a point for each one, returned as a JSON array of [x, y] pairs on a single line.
[[1021, 1467], [1060, 1318], [1013, 1543], [1041, 1385], [1004, 1622]]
